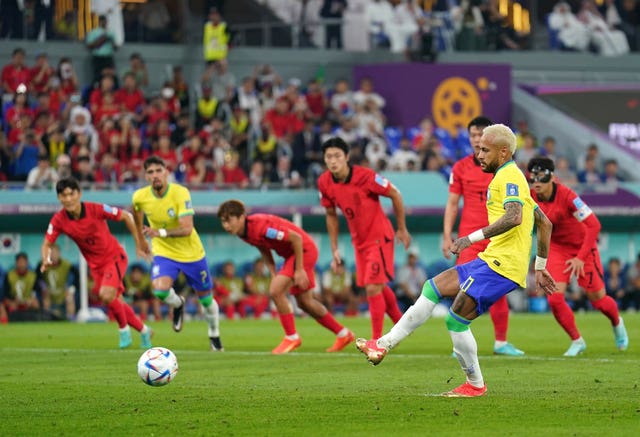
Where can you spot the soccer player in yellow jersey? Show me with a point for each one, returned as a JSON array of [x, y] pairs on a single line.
[[175, 244], [499, 269]]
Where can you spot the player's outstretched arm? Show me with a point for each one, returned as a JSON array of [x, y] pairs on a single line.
[[45, 254], [449, 219], [544, 280], [402, 234]]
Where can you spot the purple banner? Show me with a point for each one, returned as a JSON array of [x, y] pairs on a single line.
[[450, 94]]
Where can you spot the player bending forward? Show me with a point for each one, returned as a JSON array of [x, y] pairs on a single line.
[[268, 232], [499, 269], [573, 251], [85, 223]]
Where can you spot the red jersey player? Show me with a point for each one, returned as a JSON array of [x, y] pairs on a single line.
[[469, 182], [85, 223], [269, 232], [356, 191], [573, 251]]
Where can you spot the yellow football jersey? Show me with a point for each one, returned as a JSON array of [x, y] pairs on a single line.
[[509, 254], [165, 212]]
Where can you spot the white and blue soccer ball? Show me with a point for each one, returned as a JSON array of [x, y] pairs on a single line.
[[157, 366]]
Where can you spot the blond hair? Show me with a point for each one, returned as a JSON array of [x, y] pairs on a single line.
[[502, 136]]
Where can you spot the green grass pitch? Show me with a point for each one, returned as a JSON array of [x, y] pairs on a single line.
[[65, 379]]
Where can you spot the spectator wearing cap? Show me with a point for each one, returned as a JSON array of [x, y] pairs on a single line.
[[15, 73], [216, 37], [101, 42], [42, 175]]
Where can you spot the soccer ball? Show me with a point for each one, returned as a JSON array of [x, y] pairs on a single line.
[[157, 366]]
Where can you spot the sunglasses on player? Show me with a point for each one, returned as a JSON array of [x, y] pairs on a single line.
[[538, 174]]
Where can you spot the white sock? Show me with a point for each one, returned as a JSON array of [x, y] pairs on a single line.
[[416, 315], [144, 329], [343, 332], [211, 315], [292, 336], [125, 329], [499, 344], [466, 350], [173, 300]]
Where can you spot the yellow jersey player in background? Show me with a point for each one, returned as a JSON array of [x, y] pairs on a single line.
[[501, 268], [176, 246]]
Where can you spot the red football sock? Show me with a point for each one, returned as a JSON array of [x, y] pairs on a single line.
[[377, 310], [288, 323], [608, 307], [563, 314], [393, 310], [132, 319], [329, 322], [230, 310], [500, 317], [119, 313]]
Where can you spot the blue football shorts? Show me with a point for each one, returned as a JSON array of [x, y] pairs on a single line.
[[196, 272], [483, 284]]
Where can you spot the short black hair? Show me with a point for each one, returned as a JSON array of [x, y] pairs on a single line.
[[480, 121], [22, 255], [153, 159], [541, 163], [65, 183], [336, 142]]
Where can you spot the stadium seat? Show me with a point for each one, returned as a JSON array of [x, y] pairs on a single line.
[[393, 135], [463, 144], [449, 150], [412, 132]]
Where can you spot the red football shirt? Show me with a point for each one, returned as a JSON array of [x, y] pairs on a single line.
[[359, 200], [575, 227], [468, 180], [90, 232], [14, 76], [266, 231]]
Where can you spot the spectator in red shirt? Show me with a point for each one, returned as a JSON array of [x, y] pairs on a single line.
[[20, 106], [199, 173], [156, 111], [180, 86], [282, 121], [173, 104], [107, 84], [191, 150], [317, 101], [232, 174], [41, 72], [134, 155], [167, 152], [130, 97], [15, 73], [108, 108]]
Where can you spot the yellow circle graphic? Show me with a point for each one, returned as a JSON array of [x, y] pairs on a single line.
[[455, 102]]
